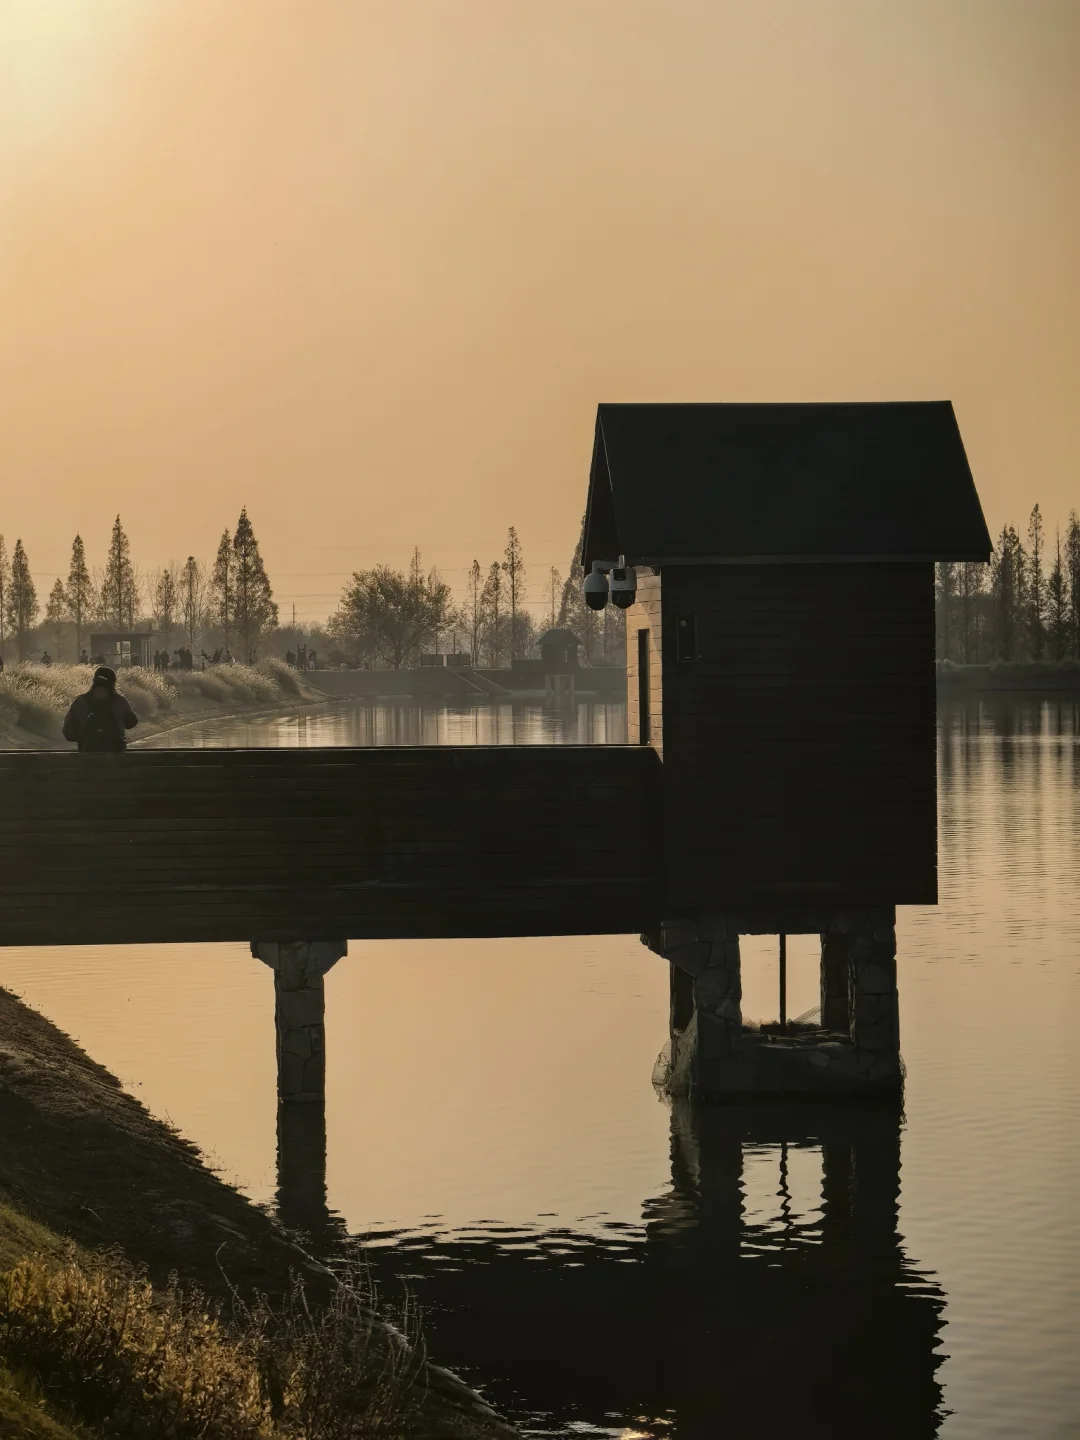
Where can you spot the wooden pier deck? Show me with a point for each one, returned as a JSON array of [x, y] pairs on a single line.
[[198, 845]]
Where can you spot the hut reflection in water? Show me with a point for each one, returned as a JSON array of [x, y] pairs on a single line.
[[767, 1293]]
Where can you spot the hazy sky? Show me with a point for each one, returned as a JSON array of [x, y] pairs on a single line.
[[368, 267]]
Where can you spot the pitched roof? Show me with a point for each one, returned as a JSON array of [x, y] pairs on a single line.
[[685, 483]]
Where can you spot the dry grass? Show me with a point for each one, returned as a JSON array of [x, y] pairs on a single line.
[[99, 1346], [24, 1414], [36, 697]]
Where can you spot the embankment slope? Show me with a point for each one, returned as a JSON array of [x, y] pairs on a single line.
[[83, 1160]]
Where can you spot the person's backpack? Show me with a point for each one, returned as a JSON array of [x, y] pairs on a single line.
[[100, 730]]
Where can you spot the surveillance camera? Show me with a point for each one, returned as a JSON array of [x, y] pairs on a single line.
[[596, 590], [623, 584]]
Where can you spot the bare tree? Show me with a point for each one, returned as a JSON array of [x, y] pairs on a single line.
[[1057, 604], [555, 586], [80, 591], [117, 591], [946, 587], [1036, 584], [5, 584], [221, 587], [1072, 571], [514, 567], [1007, 569], [165, 601], [972, 585], [21, 599], [56, 612], [474, 610], [191, 598], [255, 610], [573, 612], [493, 602]]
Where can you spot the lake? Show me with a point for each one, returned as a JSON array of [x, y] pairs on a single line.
[[601, 1262]]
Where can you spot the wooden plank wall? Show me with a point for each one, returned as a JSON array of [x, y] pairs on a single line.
[[183, 845], [645, 614], [799, 749]]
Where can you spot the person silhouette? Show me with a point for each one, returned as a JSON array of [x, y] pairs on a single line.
[[100, 719]]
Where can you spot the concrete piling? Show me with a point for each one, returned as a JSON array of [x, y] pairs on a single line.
[[300, 1012], [855, 1048]]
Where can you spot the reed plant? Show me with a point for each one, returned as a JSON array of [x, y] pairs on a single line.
[[36, 697], [114, 1357]]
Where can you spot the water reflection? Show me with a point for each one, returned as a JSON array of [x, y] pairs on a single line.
[[390, 722], [767, 1292]]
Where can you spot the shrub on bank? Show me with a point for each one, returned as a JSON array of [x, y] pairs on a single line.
[[107, 1350], [36, 697]]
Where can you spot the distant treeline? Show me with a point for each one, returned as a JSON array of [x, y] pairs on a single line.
[[1024, 606], [385, 617], [229, 603], [390, 617]]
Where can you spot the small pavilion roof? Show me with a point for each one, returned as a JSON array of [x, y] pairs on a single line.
[[765, 483]]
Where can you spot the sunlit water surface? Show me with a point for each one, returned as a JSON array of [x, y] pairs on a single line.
[[601, 1263]]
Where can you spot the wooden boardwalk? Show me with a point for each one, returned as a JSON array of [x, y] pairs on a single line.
[[190, 845]]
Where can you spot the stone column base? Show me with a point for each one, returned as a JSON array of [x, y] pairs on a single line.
[[855, 1051]]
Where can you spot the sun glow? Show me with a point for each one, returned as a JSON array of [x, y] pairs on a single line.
[[58, 62]]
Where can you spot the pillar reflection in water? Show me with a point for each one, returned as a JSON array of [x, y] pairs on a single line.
[[813, 1324], [744, 1308], [299, 970]]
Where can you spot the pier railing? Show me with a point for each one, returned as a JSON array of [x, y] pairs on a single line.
[[186, 845]]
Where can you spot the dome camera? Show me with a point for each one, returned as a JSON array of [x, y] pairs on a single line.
[[596, 589], [623, 584]]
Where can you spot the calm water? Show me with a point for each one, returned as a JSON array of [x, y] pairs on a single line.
[[347, 722], [602, 1263]]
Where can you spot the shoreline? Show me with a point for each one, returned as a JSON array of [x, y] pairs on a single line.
[[34, 699], [83, 1161]]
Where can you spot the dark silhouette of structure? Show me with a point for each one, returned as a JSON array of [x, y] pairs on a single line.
[[781, 661], [781, 777], [714, 1321]]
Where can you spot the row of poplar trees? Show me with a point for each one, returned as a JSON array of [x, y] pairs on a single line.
[[1024, 606], [232, 598]]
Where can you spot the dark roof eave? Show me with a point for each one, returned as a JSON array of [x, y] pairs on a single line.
[[655, 561]]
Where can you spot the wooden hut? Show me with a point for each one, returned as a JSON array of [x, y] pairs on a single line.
[[122, 648], [780, 652]]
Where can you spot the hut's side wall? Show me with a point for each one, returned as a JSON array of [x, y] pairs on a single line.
[[799, 756], [645, 614]]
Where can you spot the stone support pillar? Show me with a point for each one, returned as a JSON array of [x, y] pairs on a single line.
[[710, 1053], [299, 1012], [300, 1024], [835, 984], [870, 938], [706, 994]]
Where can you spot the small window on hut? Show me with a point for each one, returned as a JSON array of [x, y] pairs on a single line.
[[686, 639]]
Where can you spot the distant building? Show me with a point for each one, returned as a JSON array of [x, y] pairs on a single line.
[[559, 651], [121, 649]]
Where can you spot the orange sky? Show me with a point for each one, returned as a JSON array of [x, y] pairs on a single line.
[[368, 267]]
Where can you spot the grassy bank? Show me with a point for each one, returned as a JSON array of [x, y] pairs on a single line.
[[35, 698], [141, 1296]]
